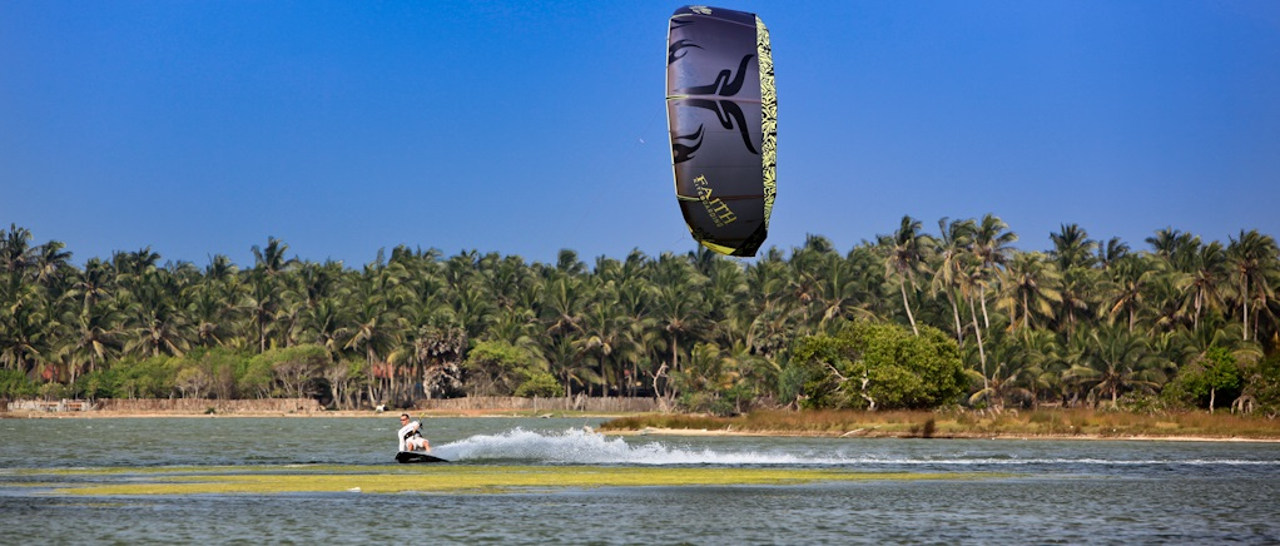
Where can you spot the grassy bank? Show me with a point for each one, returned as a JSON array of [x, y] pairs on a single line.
[[1081, 423]]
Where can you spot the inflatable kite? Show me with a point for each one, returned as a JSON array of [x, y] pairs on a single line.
[[722, 114]]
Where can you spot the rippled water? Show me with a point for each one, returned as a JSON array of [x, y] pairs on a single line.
[[1044, 491]]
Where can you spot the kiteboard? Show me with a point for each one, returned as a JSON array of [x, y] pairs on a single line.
[[417, 457]]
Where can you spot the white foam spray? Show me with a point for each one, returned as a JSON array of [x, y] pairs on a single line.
[[584, 446], [579, 446]]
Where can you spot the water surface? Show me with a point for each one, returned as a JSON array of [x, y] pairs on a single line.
[[1039, 492]]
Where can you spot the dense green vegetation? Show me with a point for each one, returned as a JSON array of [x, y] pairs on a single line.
[[911, 320]]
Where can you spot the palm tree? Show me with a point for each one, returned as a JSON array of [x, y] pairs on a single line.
[[1079, 296], [473, 307], [23, 331], [327, 326], [15, 249], [564, 302], [1112, 360], [1165, 301], [1175, 247], [155, 315], [1042, 355], [130, 266], [94, 340], [1029, 285], [94, 284], [379, 326], [725, 289], [50, 262], [952, 250], [905, 254], [270, 259], [1253, 261], [608, 336], [1112, 252], [567, 262], [1072, 247], [566, 361], [770, 315], [1130, 278], [262, 304], [1203, 286], [1007, 377], [506, 280], [840, 292], [972, 283], [992, 245], [156, 331], [372, 333], [210, 315], [679, 315]]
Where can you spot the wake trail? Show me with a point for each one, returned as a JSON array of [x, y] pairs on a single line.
[[579, 446]]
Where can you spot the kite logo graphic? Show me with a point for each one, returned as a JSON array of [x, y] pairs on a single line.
[[716, 208], [682, 152], [677, 50], [727, 111]]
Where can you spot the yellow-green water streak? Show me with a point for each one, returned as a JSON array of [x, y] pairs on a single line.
[[445, 479]]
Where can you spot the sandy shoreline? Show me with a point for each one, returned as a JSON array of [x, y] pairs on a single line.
[[646, 431]]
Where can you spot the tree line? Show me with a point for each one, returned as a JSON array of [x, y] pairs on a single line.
[[1182, 322]]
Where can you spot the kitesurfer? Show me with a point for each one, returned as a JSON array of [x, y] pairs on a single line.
[[410, 435]]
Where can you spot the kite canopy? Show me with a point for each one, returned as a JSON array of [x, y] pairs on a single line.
[[722, 114]]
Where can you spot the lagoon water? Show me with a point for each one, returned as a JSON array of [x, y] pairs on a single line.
[[1041, 492]]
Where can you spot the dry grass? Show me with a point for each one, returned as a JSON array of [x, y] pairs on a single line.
[[1041, 422]]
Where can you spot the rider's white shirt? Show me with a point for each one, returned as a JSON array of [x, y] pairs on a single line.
[[405, 430]]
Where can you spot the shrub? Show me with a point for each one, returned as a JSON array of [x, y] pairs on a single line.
[[1212, 381], [1263, 384], [880, 366], [498, 368], [14, 384], [541, 384]]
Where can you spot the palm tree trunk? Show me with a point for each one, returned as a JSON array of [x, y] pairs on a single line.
[[262, 336], [955, 313], [1026, 313], [1244, 302], [675, 346], [982, 353], [982, 298], [907, 306], [1195, 321]]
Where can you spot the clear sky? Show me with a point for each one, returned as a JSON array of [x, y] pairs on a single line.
[[204, 127]]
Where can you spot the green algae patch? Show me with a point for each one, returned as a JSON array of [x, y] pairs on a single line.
[[469, 479]]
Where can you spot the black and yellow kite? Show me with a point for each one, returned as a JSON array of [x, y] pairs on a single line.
[[722, 113]]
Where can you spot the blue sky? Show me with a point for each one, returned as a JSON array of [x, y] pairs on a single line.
[[204, 127]]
